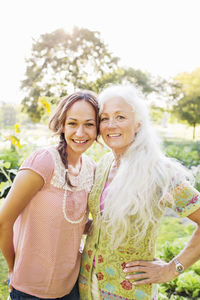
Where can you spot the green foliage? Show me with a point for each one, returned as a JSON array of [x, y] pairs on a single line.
[[187, 285], [61, 61], [196, 267], [196, 173], [9, 163], [187, 156], [123, 75], [157, 113], [187, 153], [96, 151], [188, 109], [167, 236], [3, 279], [5, 177], [169, 249], [7, 115], [187, 106]]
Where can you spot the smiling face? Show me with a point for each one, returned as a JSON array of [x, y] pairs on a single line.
[[118, 125], [80, 128]]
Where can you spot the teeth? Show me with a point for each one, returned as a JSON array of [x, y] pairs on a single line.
[[113, 135], [79, 142]]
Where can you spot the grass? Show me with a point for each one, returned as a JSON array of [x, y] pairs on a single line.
[[3, 279]]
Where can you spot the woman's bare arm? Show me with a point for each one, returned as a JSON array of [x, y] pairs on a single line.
[[26, 184]]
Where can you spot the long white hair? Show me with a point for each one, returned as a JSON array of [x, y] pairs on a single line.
[[144, 178]]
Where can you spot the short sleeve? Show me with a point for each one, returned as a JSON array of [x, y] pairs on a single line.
[[40, 162], [187, 199]]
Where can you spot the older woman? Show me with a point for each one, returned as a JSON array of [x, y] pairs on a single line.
[[136, 182]]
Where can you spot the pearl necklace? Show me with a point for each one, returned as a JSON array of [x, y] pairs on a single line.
[[64, 211]]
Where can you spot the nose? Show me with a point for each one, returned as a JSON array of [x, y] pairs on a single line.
[[80, 131], [112, 123]]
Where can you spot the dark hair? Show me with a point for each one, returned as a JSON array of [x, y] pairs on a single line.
[[57, 121]]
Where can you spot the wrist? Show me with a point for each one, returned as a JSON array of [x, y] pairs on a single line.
[[179, 267]]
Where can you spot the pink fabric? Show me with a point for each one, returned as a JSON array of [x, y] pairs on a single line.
[[47, 257]]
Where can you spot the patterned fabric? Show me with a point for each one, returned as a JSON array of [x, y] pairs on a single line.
[[47, 257], [83, 181], [109, 264]]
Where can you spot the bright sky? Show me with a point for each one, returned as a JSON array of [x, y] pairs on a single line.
[[158, 36]]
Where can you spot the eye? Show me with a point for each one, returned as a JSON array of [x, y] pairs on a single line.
[[120, 117], [90, 124], [71, 123], [104, 119]]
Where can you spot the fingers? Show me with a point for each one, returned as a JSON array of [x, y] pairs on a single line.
[[147, 272], [137, 276], [10, 288], [144, 278], [135, 269], [138, 263]]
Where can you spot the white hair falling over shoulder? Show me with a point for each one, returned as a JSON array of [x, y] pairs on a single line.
[[144, 178]]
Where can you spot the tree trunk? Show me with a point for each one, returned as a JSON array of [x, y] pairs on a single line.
[[194, 127]]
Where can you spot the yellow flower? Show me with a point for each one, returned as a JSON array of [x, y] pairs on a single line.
[[43, 101], [16, 127], [14, 140]]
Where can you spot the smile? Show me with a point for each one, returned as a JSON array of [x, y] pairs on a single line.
[[114, 135], [80, 142]]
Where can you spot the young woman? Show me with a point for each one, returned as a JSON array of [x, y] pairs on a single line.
[[133, 185], [44, 215]]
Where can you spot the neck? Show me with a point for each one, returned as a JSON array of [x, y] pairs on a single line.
[[74, 160], [116, 162]]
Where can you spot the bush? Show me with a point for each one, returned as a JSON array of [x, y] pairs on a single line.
[[188, 155], [187, 285]]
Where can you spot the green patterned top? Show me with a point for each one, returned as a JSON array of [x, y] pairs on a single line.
[[109, 264]]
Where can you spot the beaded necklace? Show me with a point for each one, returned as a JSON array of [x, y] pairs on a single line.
[[64, 211]]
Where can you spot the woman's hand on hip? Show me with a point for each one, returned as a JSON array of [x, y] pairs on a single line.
[[146, 272]]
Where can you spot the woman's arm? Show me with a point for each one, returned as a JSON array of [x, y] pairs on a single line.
[[158, 271], [26, 184]]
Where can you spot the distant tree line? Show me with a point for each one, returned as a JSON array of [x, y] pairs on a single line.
[[62, 62]]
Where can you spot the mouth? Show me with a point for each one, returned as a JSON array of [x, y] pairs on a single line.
[[80, 142], [113, 135]]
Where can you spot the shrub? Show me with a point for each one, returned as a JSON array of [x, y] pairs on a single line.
[[185, 154], [170, 243]]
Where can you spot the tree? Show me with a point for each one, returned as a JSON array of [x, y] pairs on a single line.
[[60, 63], [7, 115], [123, 75], [187, 107]]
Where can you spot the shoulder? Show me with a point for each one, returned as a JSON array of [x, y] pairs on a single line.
[[41, 162], [187, 199]]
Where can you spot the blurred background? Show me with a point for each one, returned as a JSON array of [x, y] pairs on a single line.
[[52, 48]]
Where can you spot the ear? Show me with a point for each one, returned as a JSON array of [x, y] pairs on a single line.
[[137, 126]]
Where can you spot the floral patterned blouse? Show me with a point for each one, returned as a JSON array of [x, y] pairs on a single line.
[[109, 263]]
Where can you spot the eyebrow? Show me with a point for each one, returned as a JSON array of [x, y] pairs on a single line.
[[116, 112], [76, 119]]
